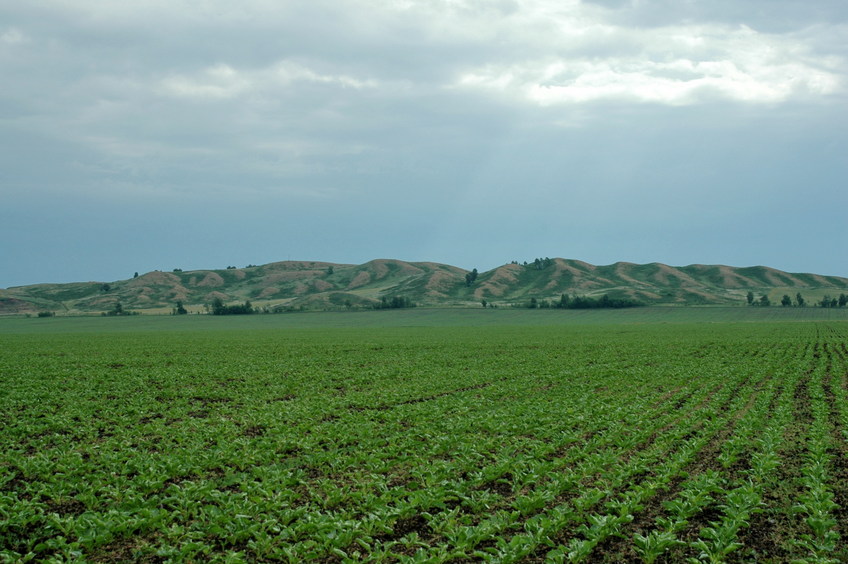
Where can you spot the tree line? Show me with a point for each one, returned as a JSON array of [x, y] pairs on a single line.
[[396, 302], [799, 301], [581, 302], [218, 307]]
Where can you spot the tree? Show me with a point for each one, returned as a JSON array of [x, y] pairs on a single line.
[[750, 297], [329, 270], [786, 301], [218, 308], [799, 300], [179, 310], [605, 301], [764, 301], [135, 275], [105, 288], [484, 302], [118, 309], [397, 302], [471, 277], [843, 300], [825, 301]]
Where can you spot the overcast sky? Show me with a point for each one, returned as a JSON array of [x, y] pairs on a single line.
[[163, 133]]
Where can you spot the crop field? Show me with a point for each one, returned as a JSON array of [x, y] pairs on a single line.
[[587, 442]]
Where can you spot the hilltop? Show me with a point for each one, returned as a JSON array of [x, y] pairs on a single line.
[[323, 285]]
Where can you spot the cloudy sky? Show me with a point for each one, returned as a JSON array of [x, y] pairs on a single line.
[[157, 134]]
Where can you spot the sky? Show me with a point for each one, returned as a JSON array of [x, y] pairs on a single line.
[[162, 134]]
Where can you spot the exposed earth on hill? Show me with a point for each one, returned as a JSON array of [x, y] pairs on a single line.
[[322, 285]]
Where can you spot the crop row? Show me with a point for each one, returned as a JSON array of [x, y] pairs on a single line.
[[713, 443]]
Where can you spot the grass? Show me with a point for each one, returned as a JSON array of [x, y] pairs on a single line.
[[653, 434], [423, 317]]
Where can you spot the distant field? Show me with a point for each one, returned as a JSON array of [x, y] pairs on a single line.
[[653, 434], [424, 317]]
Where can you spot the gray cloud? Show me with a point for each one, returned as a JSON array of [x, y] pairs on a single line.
[[468, 132]]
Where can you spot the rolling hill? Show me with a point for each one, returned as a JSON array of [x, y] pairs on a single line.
[[321, 285]]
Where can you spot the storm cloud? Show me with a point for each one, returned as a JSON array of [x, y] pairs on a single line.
[[154, 135]]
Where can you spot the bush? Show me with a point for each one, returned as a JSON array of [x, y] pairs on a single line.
[[218, 308], [397, 302], [579, 302]]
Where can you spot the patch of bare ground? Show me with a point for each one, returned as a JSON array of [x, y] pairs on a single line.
[[802, 409], [731, 279], [254, 431], [666, 397], [65, 507], [380, 268], [156, 278], [404, 525], [361, 279], [321, 285], [439, 282], [268, 292], [287, 397], [212, 296], [666, 273], [138, 549], [498, 281], [211, 280]]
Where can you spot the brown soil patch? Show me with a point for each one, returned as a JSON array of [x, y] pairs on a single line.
[[381, 267], [211, 280], [322, 285], [288, 276], [440, 281], [268, 292], [155, 278], [498, 282], [126, 550], [254, 431], [66, 507], [359, 280]]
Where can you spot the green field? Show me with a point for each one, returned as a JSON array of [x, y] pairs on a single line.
[[653, 434]]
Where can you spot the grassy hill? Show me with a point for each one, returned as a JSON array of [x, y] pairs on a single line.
[[322, 285]]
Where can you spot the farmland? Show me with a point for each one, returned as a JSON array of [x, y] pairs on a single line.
[[611, 436]]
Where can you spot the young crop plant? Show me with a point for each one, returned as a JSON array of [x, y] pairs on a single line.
[[652, 546], [265, 442], [816, 503]]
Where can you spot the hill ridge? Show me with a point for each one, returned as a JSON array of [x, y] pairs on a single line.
[[326, 285]]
